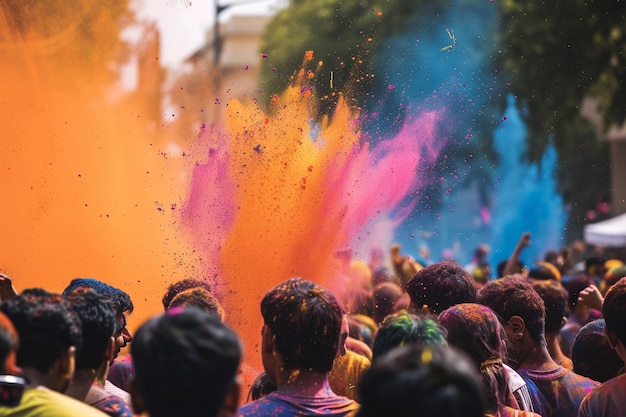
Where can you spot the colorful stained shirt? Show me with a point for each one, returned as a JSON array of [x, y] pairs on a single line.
[[557, 393], [277, 404], [607, 400], [114, 406]]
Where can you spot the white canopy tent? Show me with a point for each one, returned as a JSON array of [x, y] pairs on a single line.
[[608, 233]]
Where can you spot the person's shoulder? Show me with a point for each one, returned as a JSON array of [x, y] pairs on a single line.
[[607, 399], [260, 407], [611, 387], [43, 401], [114, 406], [580, 379]]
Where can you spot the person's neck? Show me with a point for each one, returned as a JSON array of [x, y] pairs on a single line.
[[36, 378], [305, 383], [81, 383], [536, 357], [554, 349]]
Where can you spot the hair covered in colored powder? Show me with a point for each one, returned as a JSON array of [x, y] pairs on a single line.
[[279, 194]]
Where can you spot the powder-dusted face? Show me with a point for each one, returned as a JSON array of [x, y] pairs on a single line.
[[122, 335]]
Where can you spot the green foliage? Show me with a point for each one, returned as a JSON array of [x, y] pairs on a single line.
[[342, 34], [559, 53]]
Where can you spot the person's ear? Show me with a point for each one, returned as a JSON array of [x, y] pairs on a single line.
[[67, 363], [135, 397], [563, 322], [267, 340], [10, 364], [109, 352], [231, 401], [517, 327]]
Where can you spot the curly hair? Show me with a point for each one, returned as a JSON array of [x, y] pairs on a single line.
[[403, 328], [441, 285], [305, 321], [47, 327], [515, 296]]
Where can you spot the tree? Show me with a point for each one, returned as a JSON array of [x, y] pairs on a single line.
[[556, 56], [82, 37], [347, 37]]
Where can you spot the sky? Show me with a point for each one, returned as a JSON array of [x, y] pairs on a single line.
[[183, 24]]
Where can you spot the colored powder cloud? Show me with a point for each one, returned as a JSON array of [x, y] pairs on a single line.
[[278, 195]]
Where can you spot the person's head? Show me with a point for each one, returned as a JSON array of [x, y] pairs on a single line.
[[97, 318], [49, 333], [594, 266], [554, 297], [302, 324], [612, 276], [439, 286], [261, 386], [614, 312], [179, 286], [361, 327], [421, 381], [186, 363], [11, 386], [9, 342], [542, 271], [482, 273], [518, 268], [121, 303], [481, 252], [475, 329], [386, 296], [403, 328], [518, 307], [592, 355], [200, 298], [574, 286]]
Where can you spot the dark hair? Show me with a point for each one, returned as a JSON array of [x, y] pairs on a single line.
[[440, 286], [179, 286], [519, 267], [403, 328], [614, 310], [544, 271], [554, 297], [574, 286], [592, 355], [261, 386], [362, 327], [8, 340], [386, 295], [97, 318], [593, 262], [121, 301], [305, 321], [475, 329], [46, 325], [515, 296], [200, 298], [421, 381], [185, 360]]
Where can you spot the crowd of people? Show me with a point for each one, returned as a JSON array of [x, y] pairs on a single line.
[[410, 339]]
